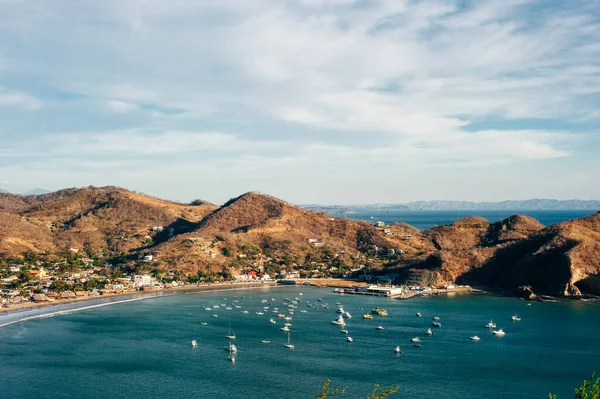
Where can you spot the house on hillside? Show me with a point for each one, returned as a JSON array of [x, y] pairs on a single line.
[[379, 224], [38, 274]]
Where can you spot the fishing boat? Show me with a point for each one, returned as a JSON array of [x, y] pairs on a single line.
[[397, 349], [349, 339], [260, 313], [515, 318], [289, 344], [339, 321], [230, 335], [491, 324], [499, 332], [474, 338], [368, 317], [375, 310], [285, 328], [245, 312], [194, 343], [264, 341], [415, 339], [429, 332], [379, 328], [272, 321]]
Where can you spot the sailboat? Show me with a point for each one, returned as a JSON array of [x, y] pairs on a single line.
[[232, 348], [289, 344], [231, 335]]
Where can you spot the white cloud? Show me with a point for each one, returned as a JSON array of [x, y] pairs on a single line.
[[121, 107], [15, 99], [298, 85]]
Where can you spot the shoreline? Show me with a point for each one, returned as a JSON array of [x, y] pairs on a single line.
[[23, 307]]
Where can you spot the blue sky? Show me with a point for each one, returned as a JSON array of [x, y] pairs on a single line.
[[314, 101]]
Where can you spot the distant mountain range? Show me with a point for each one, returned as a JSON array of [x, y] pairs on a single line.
[[510, 205], [34, 191]]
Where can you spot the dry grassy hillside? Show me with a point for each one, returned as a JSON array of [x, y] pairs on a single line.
[[255, 230], [106, 219]]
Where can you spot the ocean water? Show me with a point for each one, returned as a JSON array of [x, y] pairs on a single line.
[[142, 349], [426, 219]]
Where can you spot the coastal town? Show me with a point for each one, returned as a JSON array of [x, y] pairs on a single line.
[[25, 283]]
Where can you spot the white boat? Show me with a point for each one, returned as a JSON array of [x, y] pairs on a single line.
[[415, 339], [515, 318], [348, 315], [204, 323], [287, 324], [232, 348], [228, 308], [287, 318], [245, 312], [215, 316], [272, 321], [499, 332], [289, 344], [397, 349], [264, 341], [429, 332], [230, 335], [260, 313], [419, 314], [436, 324], [379, 328], [339, 321], [194, 344], [344, 331], [475, 338], [491, 324], [285, 328], [436, 318], [349, 339], [341, 310], [231, 358]]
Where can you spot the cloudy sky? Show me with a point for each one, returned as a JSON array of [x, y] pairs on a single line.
[[314, 101]]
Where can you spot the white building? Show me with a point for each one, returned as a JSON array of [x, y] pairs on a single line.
[[142, 280]]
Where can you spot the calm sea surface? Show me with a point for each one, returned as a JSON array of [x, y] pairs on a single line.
[[426, 219], [142, 349]]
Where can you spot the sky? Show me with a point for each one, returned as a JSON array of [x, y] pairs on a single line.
[[312, 101]]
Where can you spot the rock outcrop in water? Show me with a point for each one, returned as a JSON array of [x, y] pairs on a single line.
[[517, 254]]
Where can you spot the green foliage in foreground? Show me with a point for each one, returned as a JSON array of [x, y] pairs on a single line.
[[376, 394], [590, 389]]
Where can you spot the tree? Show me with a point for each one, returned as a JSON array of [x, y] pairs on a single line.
[[376, 394], [590, 389], [325, 392]]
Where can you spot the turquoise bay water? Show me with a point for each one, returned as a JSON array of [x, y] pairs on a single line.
[[142, 349], [426, 219]]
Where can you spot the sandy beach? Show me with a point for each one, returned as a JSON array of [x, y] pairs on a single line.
[[169, 291]]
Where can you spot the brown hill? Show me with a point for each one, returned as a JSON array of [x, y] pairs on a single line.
[[106, 219], [255, 230]]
